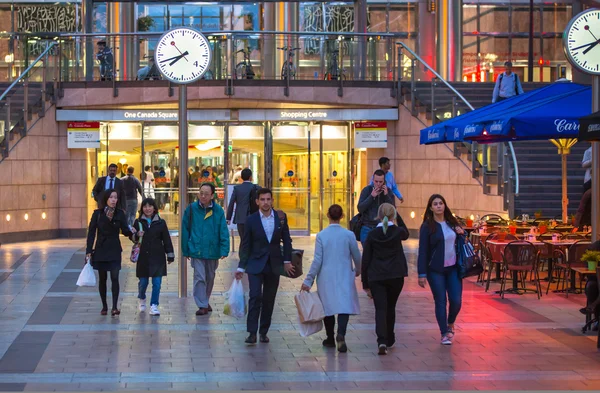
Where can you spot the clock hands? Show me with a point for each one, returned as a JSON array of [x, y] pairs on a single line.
[[592, 45], [177, 58], [182, 54], [170, 58]]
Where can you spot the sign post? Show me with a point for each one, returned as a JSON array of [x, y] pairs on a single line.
[[182, 56], [83, 135], [370, 134]]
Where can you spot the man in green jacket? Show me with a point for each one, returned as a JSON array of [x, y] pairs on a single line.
[[205, 240]]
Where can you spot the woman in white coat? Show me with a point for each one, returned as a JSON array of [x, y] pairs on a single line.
[[333, 265]]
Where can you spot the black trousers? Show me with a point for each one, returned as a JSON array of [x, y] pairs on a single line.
[[385, 296], [102, 287], [329, 322], [241, 228], [263, 290]]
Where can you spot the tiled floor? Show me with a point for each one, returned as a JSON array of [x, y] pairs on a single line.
[[54, 338]]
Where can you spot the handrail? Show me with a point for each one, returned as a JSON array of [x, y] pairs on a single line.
[[49, 46], [215, 33], [512, 150]]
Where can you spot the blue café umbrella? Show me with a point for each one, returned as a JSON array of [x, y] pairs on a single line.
[[469, 125]]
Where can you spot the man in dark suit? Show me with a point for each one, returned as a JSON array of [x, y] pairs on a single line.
[[108, 182], [262, 259], [241, 199]]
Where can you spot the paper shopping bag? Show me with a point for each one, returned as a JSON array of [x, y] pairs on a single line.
[[310, 308]]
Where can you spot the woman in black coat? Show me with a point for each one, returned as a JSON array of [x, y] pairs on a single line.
[[155, 245], [105, 225], [383, 270]]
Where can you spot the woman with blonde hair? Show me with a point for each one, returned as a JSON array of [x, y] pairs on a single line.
[[383, 270]]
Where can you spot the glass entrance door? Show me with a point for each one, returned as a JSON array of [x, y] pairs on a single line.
[[291, 170]]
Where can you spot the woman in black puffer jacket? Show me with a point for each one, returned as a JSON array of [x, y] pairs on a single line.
[[156, 249]]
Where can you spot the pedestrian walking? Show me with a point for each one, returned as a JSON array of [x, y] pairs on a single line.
[[437, 263], [132, 187], [207, 236], [262, 257], [390, 182], [371, 198], [336, 265], [110, 182], [507, 85], [106, 58], [104, 228], [383, 270], [156, 244], [586, 163], [243, 198]]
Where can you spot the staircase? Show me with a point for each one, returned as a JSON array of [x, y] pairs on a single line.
[[24, 103], [541, 178]]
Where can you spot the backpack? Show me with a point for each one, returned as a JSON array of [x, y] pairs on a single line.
[[252, 205], [516, 83]]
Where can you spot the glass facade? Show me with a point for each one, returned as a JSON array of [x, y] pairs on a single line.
[[309, 172]]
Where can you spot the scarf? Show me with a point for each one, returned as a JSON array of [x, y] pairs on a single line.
[[110, 212]]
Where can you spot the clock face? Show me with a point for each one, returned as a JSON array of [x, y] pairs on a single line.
[[582, 41], [182, 55]]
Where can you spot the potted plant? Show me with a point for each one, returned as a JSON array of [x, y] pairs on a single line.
[[572, 219], [145, 23], [592, 258], [543, 227], [469, 222], [538, 214], [512, 227], [502, 234]]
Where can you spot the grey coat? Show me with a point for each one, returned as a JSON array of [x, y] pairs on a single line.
[[240, 197], [335, 250]]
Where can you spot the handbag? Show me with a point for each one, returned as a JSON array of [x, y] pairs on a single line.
[[355, 225], [135, 250], [87, 278], [310, 308], [469, 263], [297, 255]]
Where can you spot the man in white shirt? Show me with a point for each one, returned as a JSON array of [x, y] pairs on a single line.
[[262, 258], [148, 182], [507, 85], [586, 163]]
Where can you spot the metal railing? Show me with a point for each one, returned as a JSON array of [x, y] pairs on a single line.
[[29, 92], [408, 69]]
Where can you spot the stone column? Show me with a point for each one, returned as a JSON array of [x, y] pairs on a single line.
[[88, 44], [360, 26], [449, 39], [267, 59]]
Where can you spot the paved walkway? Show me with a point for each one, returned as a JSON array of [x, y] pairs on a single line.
[[54, 338]]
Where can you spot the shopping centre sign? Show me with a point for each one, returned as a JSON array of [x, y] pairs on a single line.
[[150, 115]]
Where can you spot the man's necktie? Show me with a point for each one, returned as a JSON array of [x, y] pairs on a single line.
[[111, 183]]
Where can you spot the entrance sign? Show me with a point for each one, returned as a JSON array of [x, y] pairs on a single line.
[[83, 135], [370, 134]]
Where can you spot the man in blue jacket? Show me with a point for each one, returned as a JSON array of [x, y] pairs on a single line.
[[207, 236]]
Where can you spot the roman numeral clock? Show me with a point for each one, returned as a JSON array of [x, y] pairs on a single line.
[[581, 41], [182, 55]]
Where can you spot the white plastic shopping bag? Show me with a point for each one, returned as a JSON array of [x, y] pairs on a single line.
[[235, 300], [309, 328], [87, 278], [310, 308]]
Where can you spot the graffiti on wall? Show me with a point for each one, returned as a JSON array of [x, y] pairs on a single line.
[[46, 18]]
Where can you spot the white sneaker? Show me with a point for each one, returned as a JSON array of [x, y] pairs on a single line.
[[154, 310], [142, 305], [446, 340]]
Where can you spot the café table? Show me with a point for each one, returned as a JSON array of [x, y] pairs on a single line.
[[556, 245], [581, 270]]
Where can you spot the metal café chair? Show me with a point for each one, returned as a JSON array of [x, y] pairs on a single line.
[[497, 263], [520, 257], [545, 255], [562, 270]]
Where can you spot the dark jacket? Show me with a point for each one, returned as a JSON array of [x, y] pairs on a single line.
[[106, 232], [432, 248], [132, 187], [584, 211], [369, 206], [156, 243], [241, 198], [383, 256], [100, 186], [256, 250]]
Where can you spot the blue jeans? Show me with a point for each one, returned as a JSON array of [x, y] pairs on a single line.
[[143, 285], [131, 211], [364, 232], [441, 284]]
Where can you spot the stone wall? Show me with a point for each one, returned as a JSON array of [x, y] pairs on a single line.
[[42, 176], [421, 171]]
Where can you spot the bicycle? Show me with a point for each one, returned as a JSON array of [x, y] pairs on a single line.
[[334, 72], [243, 70], [288, 69]]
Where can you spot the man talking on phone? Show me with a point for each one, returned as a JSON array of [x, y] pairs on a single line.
[[371, 197]]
